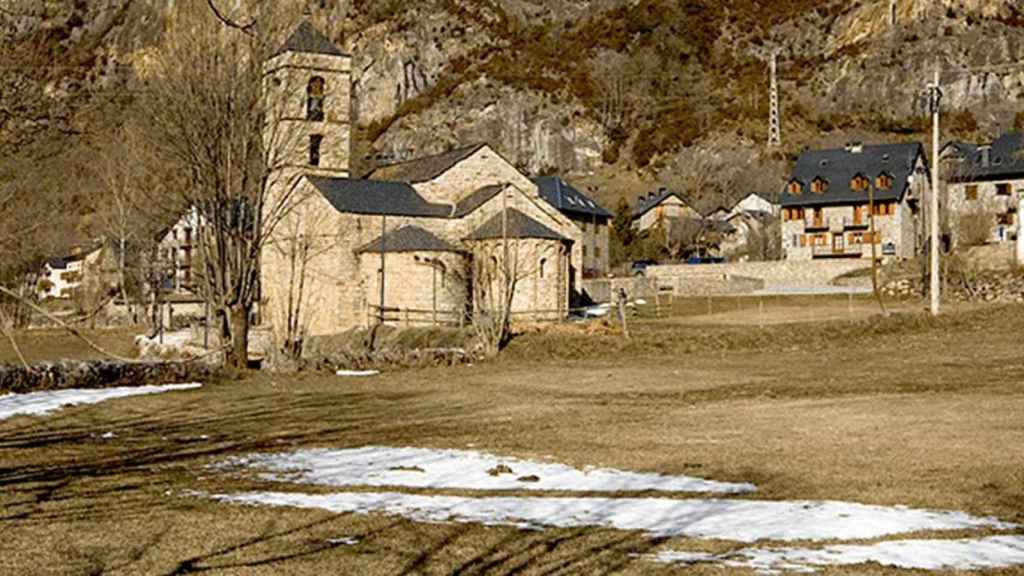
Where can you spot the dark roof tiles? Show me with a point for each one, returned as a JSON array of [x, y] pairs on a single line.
[[566, 198], [377, 197], [837, 167], [519, 225], [308, 40], [1005, 159], [409, 239], [424, 169]]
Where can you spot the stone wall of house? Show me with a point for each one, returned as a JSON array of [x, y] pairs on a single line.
[[670, 209], [1002, 207], [429, 287], [595, 245], [780, 274], [484, 168], [542, 278], [897, 230], [288, 132]]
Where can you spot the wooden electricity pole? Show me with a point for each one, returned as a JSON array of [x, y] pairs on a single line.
[[874, 250], [774, 116], [935, 99]]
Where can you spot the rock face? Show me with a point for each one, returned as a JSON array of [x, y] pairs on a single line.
[[413, 94]]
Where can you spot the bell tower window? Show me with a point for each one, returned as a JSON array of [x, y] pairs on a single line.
[[315, 141], [315, 99]]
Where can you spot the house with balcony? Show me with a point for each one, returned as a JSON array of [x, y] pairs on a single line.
[[587, 215], [984, 181], [839, 202]]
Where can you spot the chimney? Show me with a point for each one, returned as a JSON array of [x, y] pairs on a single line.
[[640, 199], [986, 156], [651, 195]]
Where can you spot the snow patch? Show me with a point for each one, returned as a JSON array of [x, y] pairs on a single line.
[[425, 468], [357, 373], [965, 554], [42, 403], [352, 541], [736, 520]]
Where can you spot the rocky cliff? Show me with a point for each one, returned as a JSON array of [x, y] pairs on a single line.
[[576, 85]]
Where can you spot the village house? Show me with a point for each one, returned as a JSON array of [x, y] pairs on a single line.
[[656, 209], [589, 217], [825, 206], [984, 182], [417, 242]]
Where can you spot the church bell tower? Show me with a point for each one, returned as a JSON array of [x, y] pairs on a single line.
[[308, 85]]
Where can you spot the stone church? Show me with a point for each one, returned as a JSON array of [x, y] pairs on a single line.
[[411, 243]]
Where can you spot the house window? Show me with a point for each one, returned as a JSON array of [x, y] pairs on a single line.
[[1003, 189], [541, 266], [859, 183], [584, 251], [795, 187], [315, 141], [819, 186], [971, 192], [883, 182], [315, 99], [597, 251]]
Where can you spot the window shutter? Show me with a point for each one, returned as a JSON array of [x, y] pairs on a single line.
[[803, 241]]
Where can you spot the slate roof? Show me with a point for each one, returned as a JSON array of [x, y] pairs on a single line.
[[519, 226], [59, 263], [307, 39], [477, 199], [839, 166], [651, 201], [423, 169], [1006, 159], [409, 239], [567, 199], [377, 197]]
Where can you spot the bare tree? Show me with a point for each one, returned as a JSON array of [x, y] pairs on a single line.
[[208, 120], [682, 236]]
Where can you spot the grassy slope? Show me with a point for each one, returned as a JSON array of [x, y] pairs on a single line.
[[46, 345], [916, 412]]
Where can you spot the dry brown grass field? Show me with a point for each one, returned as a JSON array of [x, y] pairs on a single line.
[[905, 411]]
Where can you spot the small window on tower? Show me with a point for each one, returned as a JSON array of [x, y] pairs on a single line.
[[315, 141], [315, 99]]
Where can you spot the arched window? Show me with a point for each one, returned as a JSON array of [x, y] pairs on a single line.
[[315, 99], [541, 266]]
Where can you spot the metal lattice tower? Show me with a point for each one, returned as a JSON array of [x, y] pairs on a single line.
[[774, 120]]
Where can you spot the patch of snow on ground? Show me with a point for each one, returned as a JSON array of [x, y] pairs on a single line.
[[343, 541], [425, 468], [41, 403], [737, 520], [965, 554], [357, 373]]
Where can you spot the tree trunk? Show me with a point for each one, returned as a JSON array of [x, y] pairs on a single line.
[[237, 354]]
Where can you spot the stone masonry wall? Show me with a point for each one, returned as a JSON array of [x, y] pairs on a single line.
[[774, 275], [484, 168], [988, 200]]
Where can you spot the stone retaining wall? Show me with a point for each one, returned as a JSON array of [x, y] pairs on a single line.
[[96, 374], [776, 274]]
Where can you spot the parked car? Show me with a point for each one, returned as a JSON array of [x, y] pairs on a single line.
[[639, 267], [705, 260]]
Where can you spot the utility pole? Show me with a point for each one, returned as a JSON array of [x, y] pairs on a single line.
[[774, 121], [935, 101], [383, 249]]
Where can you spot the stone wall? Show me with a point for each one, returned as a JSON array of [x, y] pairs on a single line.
[[671, 208], [96, 374], [773, 275], [898, 229], [987, 200], [428, 286], [484, 168]]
